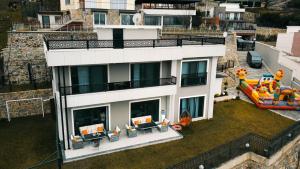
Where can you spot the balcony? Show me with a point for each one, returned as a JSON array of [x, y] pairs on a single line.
[[190, 6], [193, 79], [85, 95], [104, 87]]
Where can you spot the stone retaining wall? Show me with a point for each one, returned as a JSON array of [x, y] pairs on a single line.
[[25, 48], [287, 157], [25, 107]]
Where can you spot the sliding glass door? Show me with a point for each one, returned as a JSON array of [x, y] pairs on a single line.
[[90, 116], [88, 78], [193, 73], [145, 108], [145, 74], [193, 105]]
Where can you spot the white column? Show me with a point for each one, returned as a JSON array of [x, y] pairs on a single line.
[[162, 21], [174, 68], [191, 18], [171, 108], [210, 107]]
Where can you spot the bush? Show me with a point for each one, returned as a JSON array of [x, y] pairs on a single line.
[[294, 4], [278, 20]]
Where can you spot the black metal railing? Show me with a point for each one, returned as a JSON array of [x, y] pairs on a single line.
[[246, 46], [136, 43], [90, 88], [247, 143], [193, 79], [221, 67]]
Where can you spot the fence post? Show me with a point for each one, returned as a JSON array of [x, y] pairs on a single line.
[[87, 44], [153, 43]]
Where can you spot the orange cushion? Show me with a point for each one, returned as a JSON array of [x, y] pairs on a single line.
[[137, 122], [148, 120], [100, 129], [84, 132]]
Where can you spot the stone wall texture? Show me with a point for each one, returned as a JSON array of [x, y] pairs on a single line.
[[26, 105], [113, 17], [25, 48], [249, 17]]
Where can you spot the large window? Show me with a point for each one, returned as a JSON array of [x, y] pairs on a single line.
[[90, 116], [145, 74], [176, 20], [126, 19], [67, 2], [193, 73], [88, 78], [99, 18], [193, 105], [145, 108], [152, 20]]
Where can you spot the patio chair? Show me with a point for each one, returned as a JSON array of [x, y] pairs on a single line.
[[130, 131], [77, 142], [114, 135], [163, 126]]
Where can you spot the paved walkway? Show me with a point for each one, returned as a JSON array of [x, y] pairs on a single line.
[[257, 73]]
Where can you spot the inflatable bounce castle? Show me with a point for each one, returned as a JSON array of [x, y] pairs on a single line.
[[267, 92]]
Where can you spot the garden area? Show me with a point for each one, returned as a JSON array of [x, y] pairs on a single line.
[[29, 140]]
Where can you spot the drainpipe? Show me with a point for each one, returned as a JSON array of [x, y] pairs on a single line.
[[61, 109], [66, 108]]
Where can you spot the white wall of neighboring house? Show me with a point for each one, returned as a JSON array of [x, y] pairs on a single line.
[[139, 32], [285, 41], [97, 4], [232, 7], [276, 59], [292, 29], [170, 12]]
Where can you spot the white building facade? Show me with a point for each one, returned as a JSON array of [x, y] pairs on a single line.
[[129, 73]]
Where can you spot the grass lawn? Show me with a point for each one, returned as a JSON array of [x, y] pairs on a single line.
[[231, 120]]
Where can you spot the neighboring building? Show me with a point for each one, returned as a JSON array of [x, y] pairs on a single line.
[[171, 13], [286, 55], [290, 41], [130, 73], [104, 13], [232, 18], [97, 4], [247, 3], [230, 15]]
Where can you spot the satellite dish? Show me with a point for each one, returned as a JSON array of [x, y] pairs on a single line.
[[137, 19]]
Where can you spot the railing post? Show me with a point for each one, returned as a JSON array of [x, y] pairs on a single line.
[[179, 42], [153, 43], [201, 41], [87, 44]]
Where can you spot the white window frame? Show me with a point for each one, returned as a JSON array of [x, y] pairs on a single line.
[[204, 106], [193, 60], [122, 15], [105, 15], [136, 101], [88, 107]]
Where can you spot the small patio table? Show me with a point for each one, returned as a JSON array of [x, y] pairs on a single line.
[[94, 137], [147, 127]]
